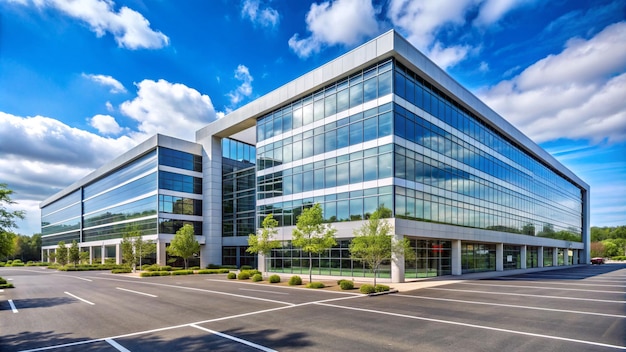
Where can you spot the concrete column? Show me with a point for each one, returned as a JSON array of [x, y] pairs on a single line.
[[261, 263], [576, 256], [457, 268], [118, 254], [103, 255], [566, 256], [555, 257], [90, 254], [211, 252], [499, 257], [397, 261], [540, 257], [523, 254], [160, 253]]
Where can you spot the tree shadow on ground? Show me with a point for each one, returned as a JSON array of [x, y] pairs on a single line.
[[27, 303], [564, 273], [33, 339]]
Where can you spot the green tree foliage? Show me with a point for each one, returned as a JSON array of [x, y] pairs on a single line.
[[311, 235], [373, 242], [264, 241], [184, 244], [134, 248], [608, 241], [7, 221], [61, 253], [606, 233], [73, 254]]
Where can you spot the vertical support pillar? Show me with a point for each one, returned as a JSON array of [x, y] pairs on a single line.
[[499, 257], [540, 257], [118, 254], [211, 251], [457, 268], [397, 261], [566, 256], [523, 253], [160, 253], [576, 257], [261, 263], [555, 257], [90, 254], [103, 254]]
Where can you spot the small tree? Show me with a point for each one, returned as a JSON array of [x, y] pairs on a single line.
[[311, 235], [373, 242], [184, 243], [52, 257], [84, 257], [134, 248], [7, 221], [74, 253], [61, 253], [264, 242]]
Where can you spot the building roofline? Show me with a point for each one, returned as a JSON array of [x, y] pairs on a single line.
[[387, 45], [134, 153]]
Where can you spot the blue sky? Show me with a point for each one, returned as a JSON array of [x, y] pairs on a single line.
[[83, 81]]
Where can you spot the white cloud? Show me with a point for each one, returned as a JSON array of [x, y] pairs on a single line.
[[577, 94], [105, 124], [129, 28], [266, 17], [338, 22], [107, 81], [422, 21], [170, 108], [244, 90], [109, 106]]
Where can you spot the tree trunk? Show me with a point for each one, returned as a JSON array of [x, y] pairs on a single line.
[[185, 260], [310, 266], [375, 274]]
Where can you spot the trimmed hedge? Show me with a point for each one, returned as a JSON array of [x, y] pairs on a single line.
[[121, 271], [367, 289], [315, 284], [257, 277], [231, 276], [346, 284], [246, 267], [381, 288], [155, 273], [182, 272], [244, 275], [274, 279], [213, 271], [156, 267], [295, 280]]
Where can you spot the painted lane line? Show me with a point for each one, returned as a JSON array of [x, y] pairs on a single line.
[[525, 295], [80, 299], [74, 277], [512, 306], [204, 290], [540, 287], [272, 292], [12, 306], [137, 292], [476, 326], [284, 287], [236, 339], [558, 283], [116, 345]]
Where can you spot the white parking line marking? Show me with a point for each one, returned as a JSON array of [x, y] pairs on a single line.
[[12, 306], [476, 326], [513, 306], [137, 292], [74, 277], [273, 292], [116, 345], [556, 282], [540, 287], [524, 295], [78, 298], [236, 339]]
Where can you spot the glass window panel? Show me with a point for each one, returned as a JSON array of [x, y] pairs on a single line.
[[343, 174], [384, 83], [370, 168], [343, 137], [297, 118], [318, 110], [307, 148], [343, 100], [331, 176], [356, 95], [330, 141], [384, 124], [307, 114], [370, 89], [385, 165], [356, 171], [370, 127], [356, 133], [330, 105], [356, 209]]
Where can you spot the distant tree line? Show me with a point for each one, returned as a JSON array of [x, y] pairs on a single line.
[[608, 241]]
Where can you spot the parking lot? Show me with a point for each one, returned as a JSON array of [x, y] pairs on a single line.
[[568, 309]]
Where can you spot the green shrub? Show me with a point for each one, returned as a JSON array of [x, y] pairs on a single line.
[[231, 276], [315, 285], [121, 271], [212, 266], [234, 267], [2, 264], [367, 289], [619, 258], [346, 285], [381, 288], [156, 267], [2, 281], [295, 280], [213, 271], [17, 263], [9, 262], [194, 268], [3, 286], [155, 273], [246, 267], [257, 277], [182, 272], [244, 275], [274, 279]]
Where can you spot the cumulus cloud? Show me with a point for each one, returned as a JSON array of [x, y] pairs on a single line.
[[107, 81], [171, 108], [338, 22], [577, 93], [105, 124], [244, 90], [129, 28], [422, 21], [265, 17]]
